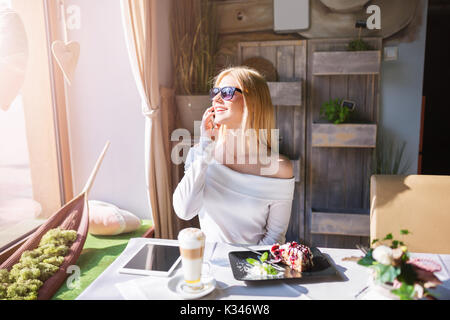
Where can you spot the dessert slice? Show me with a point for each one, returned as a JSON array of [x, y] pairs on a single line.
[[295, 255]]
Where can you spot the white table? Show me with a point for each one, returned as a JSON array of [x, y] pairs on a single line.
[[353, 278]]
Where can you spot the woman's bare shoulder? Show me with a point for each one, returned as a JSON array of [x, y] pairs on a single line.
[[285, 169]]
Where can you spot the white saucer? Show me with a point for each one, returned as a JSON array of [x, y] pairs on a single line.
[[176, 285]]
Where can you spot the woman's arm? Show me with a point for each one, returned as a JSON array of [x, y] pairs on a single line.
[[277, 223], [188, 196]]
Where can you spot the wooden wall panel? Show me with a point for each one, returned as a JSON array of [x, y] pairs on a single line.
[[337, 178], [332, 180], [347, 224], [289, 58], [245, 16], [286, 93]]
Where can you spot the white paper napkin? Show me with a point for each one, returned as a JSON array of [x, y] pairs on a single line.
[[147, 288], [156, 288]]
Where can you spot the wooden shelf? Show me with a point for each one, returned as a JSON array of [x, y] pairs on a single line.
[[346, 62], [340, 223], [286, 93], [344, 135]]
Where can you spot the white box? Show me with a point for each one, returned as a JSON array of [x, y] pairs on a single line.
[[290, 15], [390, 53]]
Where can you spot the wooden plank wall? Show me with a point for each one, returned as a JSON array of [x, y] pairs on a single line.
[[289, 58], [337, 179], [334, 182]]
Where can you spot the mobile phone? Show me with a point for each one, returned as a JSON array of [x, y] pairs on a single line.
[[214, 119]]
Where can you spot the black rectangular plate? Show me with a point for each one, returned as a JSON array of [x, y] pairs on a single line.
[[322, 269]]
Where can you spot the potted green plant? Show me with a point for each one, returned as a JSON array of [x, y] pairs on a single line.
[[359, 44], [341, 130], [194, 50], [388, 157], [336, 111]]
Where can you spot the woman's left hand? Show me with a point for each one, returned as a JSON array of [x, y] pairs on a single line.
[[208, 127]]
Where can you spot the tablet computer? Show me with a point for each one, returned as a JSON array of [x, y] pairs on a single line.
[[155, 259]]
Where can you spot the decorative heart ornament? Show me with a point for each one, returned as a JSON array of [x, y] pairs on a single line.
[[66, 54]]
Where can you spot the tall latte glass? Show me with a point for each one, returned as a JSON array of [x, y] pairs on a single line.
[[192, 247]]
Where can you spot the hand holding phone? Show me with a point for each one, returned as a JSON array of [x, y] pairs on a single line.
[[209, 126]]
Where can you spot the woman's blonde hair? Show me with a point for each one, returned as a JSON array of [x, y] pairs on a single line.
[[258, 108]]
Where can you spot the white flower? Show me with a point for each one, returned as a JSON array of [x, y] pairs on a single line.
[[383, 254], [418, 291]]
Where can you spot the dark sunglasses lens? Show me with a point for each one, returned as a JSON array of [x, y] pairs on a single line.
[[213, 92], [227, 93]]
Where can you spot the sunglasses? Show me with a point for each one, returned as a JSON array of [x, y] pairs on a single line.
[[227, 93]]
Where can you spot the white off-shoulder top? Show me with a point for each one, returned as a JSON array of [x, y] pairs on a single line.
[[232, 207]]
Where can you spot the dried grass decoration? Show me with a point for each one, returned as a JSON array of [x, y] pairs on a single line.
[[61, 239], [194, 31]]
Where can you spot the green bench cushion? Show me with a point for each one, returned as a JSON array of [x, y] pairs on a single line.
[[98, 253]]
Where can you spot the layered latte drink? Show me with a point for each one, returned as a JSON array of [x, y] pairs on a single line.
[[192, 246]]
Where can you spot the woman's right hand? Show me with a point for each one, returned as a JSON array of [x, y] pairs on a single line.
[[208, 128]]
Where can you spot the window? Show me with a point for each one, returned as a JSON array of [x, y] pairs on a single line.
[[35, 173], [18, 209]]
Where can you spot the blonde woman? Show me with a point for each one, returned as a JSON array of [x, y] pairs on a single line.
[[235, 180]]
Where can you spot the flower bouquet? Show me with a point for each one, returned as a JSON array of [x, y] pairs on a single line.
[[393, 268]]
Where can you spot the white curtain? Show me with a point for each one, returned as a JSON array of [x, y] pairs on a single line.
[[13, 56], [139, 22]]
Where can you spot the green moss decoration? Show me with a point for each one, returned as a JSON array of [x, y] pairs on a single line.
[[36, 266]]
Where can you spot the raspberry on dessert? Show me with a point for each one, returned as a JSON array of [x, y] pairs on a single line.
[[295, 255]]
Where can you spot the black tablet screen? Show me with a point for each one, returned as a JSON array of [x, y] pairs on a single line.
[[154, 257]]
